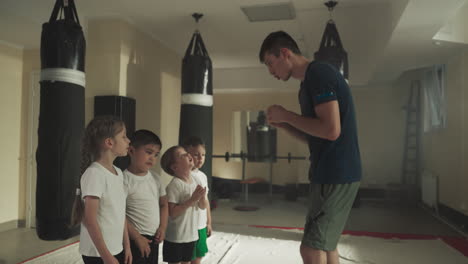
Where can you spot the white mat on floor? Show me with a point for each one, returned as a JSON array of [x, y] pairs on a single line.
[[227, 248]]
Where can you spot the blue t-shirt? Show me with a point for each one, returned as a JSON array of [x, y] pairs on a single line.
[[339, 161]]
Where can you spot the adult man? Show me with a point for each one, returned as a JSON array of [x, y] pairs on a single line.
[[328, 125]]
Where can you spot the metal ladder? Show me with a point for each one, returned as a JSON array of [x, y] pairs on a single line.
[[411, 155]]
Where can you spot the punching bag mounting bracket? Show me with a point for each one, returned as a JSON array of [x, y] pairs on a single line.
[[331, 4], [197, 16]]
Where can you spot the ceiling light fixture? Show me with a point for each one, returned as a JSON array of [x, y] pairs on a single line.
[[269, 12]]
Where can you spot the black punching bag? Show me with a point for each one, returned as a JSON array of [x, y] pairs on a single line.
[[261, 140], [331, 49], [61, 121], [196, 115]]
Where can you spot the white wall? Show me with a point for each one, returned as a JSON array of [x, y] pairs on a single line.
[[445, 150]]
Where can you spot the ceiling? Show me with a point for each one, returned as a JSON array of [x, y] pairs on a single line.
[[383, 38]]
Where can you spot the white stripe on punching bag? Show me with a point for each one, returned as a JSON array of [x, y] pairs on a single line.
[[197, 99], [64, 75]]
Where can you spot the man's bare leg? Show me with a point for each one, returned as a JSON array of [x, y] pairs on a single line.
[[313, 256], [333, 257]]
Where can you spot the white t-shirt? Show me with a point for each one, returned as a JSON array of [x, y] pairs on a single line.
[[108, 187], [183, 228], [200, 177], [143, 194]]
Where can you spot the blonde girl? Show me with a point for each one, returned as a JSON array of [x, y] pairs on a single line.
[[101, 205]]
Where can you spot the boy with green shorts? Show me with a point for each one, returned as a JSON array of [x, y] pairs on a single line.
[[196, 148]]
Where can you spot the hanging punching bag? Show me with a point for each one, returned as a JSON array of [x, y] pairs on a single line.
[[61, 121], [196, 115], [261, 140], [331, 50]]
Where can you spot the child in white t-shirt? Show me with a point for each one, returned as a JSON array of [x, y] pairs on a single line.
[[196, 148], [185, 196], [146, 209], [101, 207]]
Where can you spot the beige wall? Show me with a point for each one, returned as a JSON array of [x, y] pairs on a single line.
[[170, 115], [103, 62], [120, 60], [150, 73], [380, 127], [381, 124], [124, 61], [11, 76], [146, 68]]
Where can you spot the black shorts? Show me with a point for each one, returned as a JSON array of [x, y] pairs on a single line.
[[139, 259], [177, 252]]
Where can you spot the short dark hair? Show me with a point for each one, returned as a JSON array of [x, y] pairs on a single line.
[[193, 141], [275, 41], [168, 159], [144, 137]]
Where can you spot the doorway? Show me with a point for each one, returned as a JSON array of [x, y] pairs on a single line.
[[33, 121]]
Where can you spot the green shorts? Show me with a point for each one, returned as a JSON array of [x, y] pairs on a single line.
[[329, 207], [201, 247]]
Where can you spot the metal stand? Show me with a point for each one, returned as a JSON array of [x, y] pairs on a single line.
[[245, 184], [245, 187], [271, 181]]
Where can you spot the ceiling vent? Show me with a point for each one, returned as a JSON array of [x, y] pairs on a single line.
[[269, 12]]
